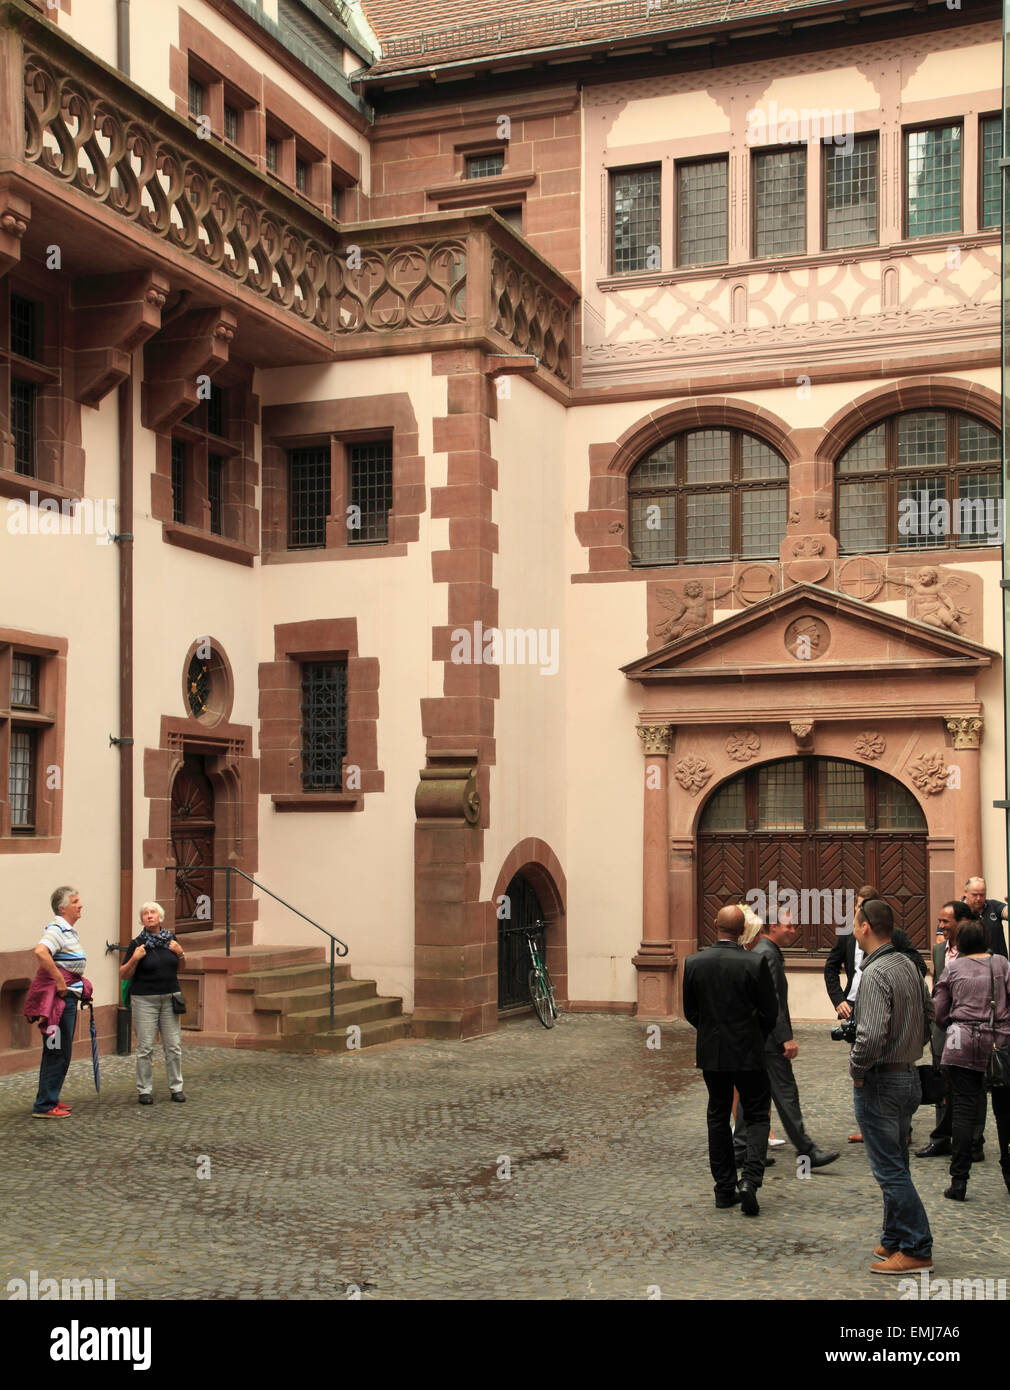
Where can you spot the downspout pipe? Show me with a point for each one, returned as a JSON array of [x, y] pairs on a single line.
[[123, 36], [124, 546]]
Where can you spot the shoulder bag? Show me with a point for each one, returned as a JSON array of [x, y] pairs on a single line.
[[997, 1072]]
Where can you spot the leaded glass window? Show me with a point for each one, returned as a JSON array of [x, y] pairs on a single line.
[[24, 327], [841, 800], [308, 497], [24, 395], [217, 411], [780, 202], [990, 136], [198, 684], [324, 724], [933, 180], [196, 97], [726, 810], [301, 175], [485, 166], [780, 796], [24, 682], [371, 490], [701, 213], [707, 494], [927, 480], [636, 212], [215, 492], [272, 148], [850, 193], [231, 123], [21, 782], [897, 808], [179, 480]]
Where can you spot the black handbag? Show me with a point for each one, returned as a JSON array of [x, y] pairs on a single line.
[[934, 1085], [997, 1071], [178, 1002]]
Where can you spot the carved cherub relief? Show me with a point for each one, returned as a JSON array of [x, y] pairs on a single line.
[[933, 598]]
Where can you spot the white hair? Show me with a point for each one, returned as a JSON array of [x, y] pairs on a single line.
[[157, 907], [60, 897]]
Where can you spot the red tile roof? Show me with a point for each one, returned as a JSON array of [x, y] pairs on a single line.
[[428, 33]]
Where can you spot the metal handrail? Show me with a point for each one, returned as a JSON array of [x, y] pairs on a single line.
[[337, 947]]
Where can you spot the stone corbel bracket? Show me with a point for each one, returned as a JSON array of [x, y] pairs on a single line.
[[191, 346], [448, 787], [112, 316], [803, 732], [15, 215]]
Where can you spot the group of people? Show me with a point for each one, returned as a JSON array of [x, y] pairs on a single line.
[[737, 999], [151, 964]]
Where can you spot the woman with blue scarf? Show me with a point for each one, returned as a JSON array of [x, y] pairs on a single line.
[[151, 964]]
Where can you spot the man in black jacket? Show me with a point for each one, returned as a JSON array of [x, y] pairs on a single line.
[[780, 1049], [729, 997], [993, 912]]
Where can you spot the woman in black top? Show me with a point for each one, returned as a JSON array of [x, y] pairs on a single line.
[[152, 965]]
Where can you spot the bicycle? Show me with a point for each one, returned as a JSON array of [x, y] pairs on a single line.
[[541, 985]]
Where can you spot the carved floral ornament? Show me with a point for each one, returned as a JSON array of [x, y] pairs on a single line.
[[80, 137], [869, 745], [929, 772], [656, 738], [692, 773], [742, 745], [801, 728]]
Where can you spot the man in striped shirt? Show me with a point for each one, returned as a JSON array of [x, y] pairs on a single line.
[[893, 1015], [60, 950]]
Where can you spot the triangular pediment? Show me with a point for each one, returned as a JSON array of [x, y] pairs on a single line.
[[810, 631]]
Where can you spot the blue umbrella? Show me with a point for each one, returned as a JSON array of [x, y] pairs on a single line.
[[94, 1050]]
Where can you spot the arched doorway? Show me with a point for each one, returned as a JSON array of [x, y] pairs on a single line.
[[519, 909], [193, 845], [814, 826]]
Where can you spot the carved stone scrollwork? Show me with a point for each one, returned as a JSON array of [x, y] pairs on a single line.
[[656, 738], [742, 745], [692, 773], [869, 745], [447, 789], [929, 772], [966, 730], [530, 315]]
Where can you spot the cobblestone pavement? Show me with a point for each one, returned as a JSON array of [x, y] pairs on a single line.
[[381, 1170]]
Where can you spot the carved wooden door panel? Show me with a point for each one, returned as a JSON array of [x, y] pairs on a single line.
[[193, 846]]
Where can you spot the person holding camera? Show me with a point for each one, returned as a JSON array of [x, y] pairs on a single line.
[[893, 1017], [151, 964]]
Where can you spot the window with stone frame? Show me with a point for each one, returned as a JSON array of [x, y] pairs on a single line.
[[990, 150], [324, 724], [30, 379], [340, 486], [216, 103], [921, 480], [850, 192], [933, 180], [201, 452], [780, 201], [635, 219], [702, 212], [709, 494], [32, 717]]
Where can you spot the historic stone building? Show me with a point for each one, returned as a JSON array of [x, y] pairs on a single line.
[[459, 475]]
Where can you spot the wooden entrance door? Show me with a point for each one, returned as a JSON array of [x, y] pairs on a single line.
[[814, 825], [193, 845]]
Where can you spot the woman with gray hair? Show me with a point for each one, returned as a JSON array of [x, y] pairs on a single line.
[[151, 964]]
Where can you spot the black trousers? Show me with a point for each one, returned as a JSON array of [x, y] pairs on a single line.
[[755, 1105], [967, 1093], [787, 1103]]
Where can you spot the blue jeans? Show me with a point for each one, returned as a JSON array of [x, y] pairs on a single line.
[[56, 1061], [884, 1106]]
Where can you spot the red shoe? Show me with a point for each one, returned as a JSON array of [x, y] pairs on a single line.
[[58, 1112], [856, 1138]]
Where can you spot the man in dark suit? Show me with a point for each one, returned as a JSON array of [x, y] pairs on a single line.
[[993, 913], [780, 1049], [729, 997]]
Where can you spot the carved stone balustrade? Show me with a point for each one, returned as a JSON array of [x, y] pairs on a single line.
[[90, 149]]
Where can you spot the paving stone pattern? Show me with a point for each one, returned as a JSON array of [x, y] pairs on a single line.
[[381, 1170]]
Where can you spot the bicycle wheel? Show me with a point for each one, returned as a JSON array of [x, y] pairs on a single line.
[[549, 986], [541, 998]]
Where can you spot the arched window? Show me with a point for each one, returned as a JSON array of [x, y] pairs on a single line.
[[925, 480], [707, 495]]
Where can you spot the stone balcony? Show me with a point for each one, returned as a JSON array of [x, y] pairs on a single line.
[[91, 163]]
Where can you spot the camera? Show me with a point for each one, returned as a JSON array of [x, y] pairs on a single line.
[[844, 1031]]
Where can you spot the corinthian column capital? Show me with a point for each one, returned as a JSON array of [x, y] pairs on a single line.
[[656, 738], [965, 728]]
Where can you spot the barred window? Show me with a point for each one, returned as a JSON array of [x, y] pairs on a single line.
[[24, 327], [636, 212], [371, 490], [324, 724], [24, 682], [780, 202], [927, 480], [702, 213], [485, 166], [933, 180], [850, 193], [24, 398], [179, 452], [710, 494], [990, 140], [21, 784], [308, 497]]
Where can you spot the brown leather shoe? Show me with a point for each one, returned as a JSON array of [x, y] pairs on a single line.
[[882, 1252], [856, 1138], [900, 1263]]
